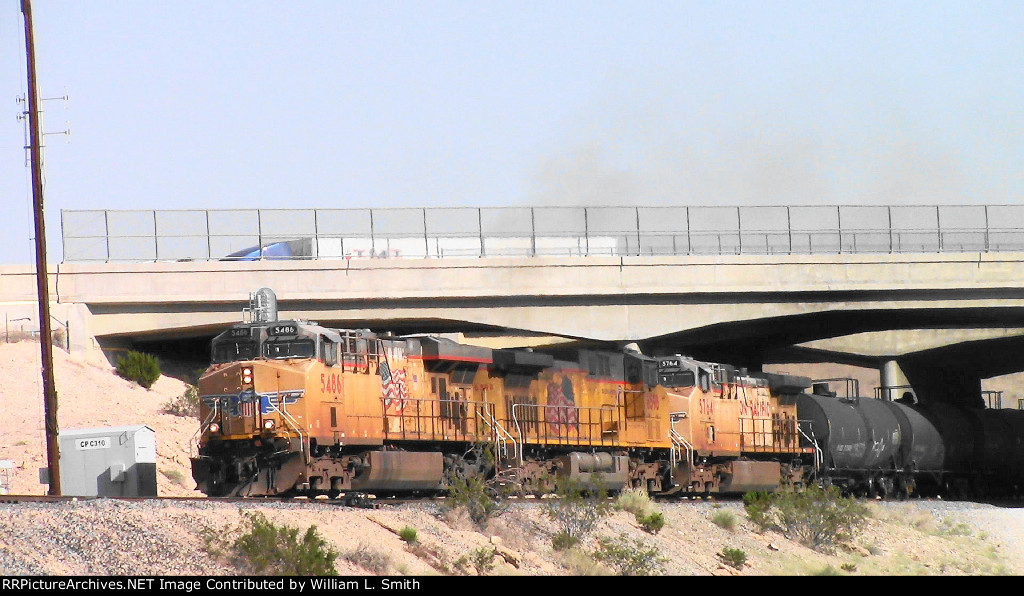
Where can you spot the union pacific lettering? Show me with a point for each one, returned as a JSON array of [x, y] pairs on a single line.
[[758, 408]]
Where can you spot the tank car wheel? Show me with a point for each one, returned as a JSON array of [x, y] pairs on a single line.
[[905, 486], [886, 487], [875, 489]]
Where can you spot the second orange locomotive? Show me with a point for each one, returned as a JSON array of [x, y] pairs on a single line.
[[292, 407]]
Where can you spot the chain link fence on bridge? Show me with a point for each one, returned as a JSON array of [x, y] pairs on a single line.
[[446, 232]]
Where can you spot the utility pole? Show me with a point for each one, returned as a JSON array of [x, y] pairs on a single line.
[[42, 283]]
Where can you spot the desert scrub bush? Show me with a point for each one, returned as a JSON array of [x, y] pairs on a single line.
[[724, 519], [630, 557], [757, 504], [635, 501], [408, 534], [185, 405], [734, 557], [473, 494], [430, 555], [265, 548], [369, 559], [483, 559], [576, 509], [819, 518], [470, 490], [139, 368], [949, 527], [652, 523], [638, 502], [564, 541], [581, 563]]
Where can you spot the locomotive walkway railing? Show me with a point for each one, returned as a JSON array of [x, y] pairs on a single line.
[[445, 232], [905, 393], [505, 443], [567, 425], [440, 419]]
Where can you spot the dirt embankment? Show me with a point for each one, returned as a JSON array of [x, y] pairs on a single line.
[[102, 537], [88, 396]]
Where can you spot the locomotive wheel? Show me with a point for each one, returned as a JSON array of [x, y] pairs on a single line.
[[335, 490], [357, 500]]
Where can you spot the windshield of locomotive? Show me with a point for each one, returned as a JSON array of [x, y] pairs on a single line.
[[291, 348], [233, 350], [683, 378]]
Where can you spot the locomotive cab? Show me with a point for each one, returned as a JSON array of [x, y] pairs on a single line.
[[250, 408]]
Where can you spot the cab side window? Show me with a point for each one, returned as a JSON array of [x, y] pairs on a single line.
[[330, 351]]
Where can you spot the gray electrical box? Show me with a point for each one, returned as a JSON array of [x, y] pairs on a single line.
[[108, 462], [6, 466]]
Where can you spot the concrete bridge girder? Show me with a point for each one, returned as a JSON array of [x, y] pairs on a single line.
[[750, 301], [611, 323], [222, 282]]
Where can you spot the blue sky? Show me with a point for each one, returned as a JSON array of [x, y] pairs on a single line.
[[234, 104]]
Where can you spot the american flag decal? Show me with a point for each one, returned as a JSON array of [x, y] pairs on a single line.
[[393, 390], [246, 402], [385, 372], [242, 404]]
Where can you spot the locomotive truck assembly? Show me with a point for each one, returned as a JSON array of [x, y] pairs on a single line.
[[291, 407]]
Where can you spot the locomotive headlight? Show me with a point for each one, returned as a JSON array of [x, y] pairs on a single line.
[[268, 425], [247, 375], [214, 427]]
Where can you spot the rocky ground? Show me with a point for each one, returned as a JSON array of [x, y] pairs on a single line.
[[105, 537]]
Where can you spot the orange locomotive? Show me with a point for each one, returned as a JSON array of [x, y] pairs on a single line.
[[292, 407]]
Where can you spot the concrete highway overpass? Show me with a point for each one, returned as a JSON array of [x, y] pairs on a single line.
[[948, 319]]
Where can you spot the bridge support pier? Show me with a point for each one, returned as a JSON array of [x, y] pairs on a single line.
[[891, 376]]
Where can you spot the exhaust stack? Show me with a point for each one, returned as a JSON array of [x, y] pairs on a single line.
[[263, 306]]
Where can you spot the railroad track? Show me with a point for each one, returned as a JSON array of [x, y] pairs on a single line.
[[368, 502], [356, 501], [360, 501]]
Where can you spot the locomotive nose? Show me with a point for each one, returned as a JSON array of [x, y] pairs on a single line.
[[229, 378], [231, 404]]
